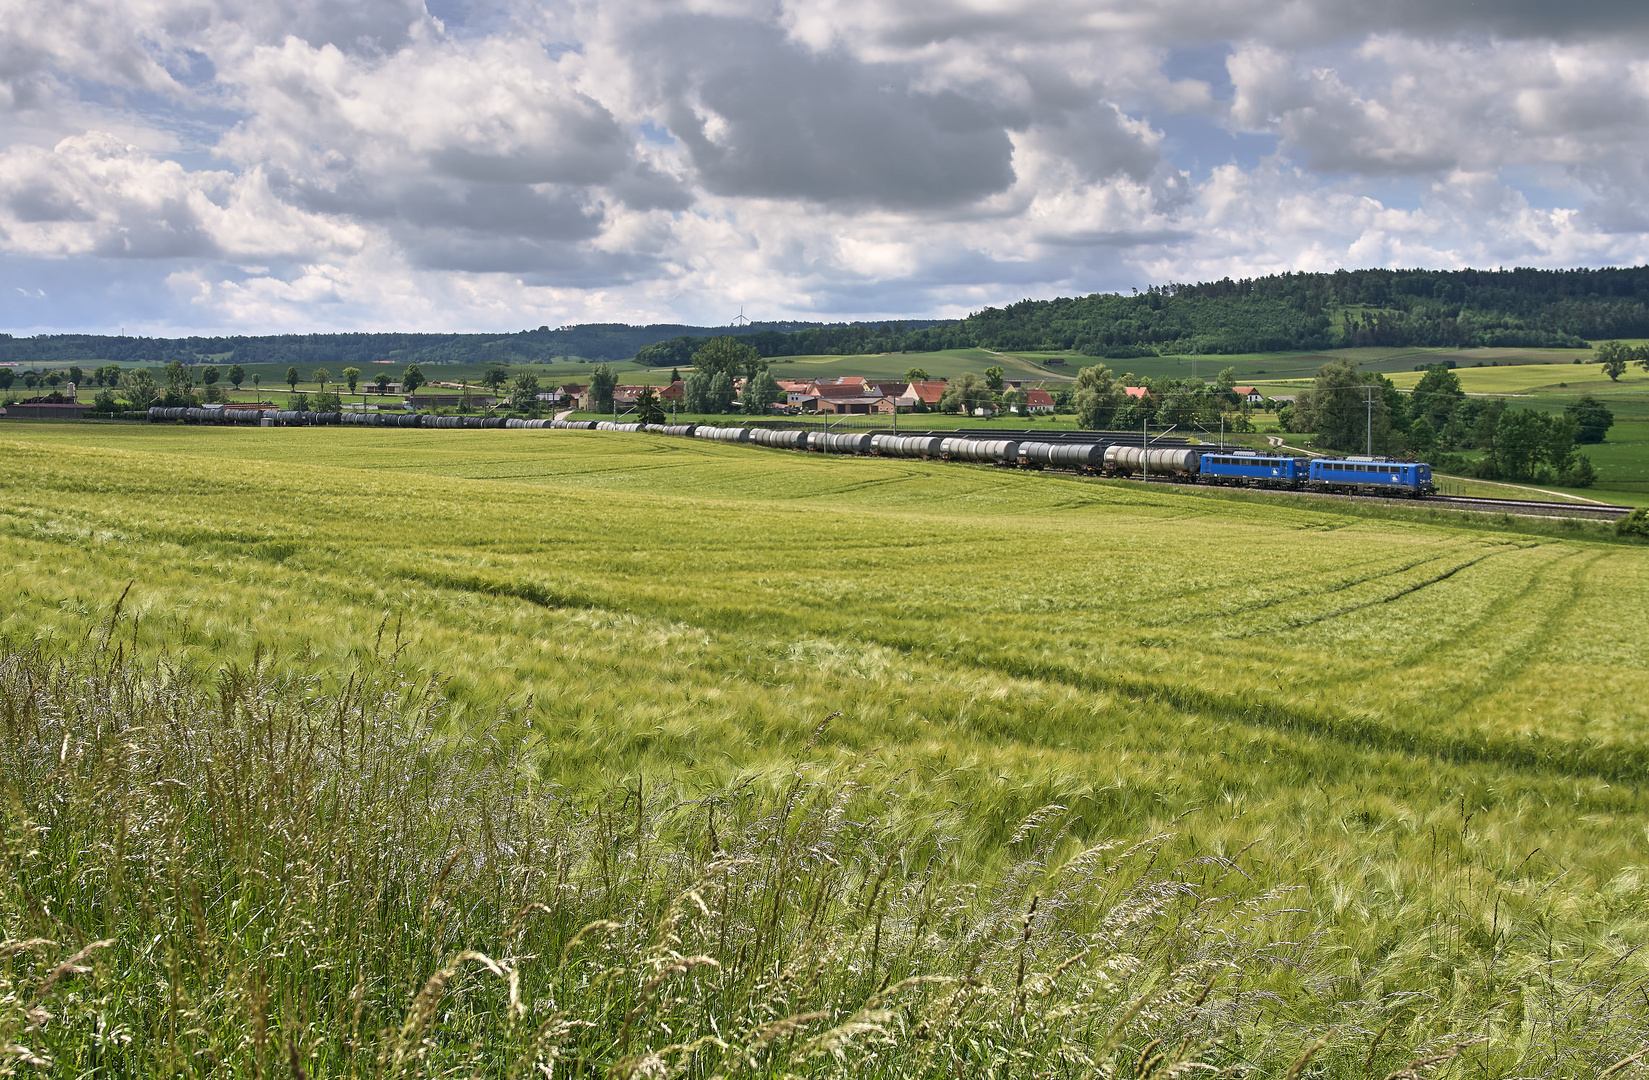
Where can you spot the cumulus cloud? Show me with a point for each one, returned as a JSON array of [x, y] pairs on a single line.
[[283, 163]]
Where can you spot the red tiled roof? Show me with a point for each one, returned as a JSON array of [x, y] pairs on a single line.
[[1136, 391], [930, 392], [1038, 397]]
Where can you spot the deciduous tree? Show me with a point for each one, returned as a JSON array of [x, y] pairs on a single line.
[[1096, 396], [602, 383], [1614, 356], [1592, 419]]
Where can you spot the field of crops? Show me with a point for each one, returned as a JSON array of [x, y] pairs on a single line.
[[1388, 774]]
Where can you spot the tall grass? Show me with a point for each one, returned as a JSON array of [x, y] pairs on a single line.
[[239, 874], [236, 873]]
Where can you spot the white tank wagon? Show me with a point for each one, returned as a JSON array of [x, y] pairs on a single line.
[[684, 430], [722, 434], [779, 440], [839, 442], [994, 451], [910, 446], [1167, 461], [1062, 455]]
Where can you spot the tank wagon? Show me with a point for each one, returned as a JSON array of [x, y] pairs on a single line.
[[1084, 457], [1174, 462], [722, 434]]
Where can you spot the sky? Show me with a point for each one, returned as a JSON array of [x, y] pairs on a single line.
[[266, 166]]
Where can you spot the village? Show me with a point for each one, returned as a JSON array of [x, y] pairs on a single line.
[[847, 395]]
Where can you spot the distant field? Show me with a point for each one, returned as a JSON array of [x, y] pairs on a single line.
[[1433, 737]]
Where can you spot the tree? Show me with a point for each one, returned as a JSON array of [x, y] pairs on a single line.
[[1422, 437], [965, 394], [54, 379], [76, 376], [524, 393], [257, 380], [352, 375], [721, 392], [727, 354], [760, 392], [292, 377], [1226, 381], [1338, 409], [1014, 401], [1614, 356], [138, 387], [178, 385], [237, 375], [1592, 419], [1096, 397], [495, 376], [675, 376], [7, 377], [917, 374], [602, 383], [383, 380], [1436, 396], [696, 392], [412, 379], [993, 378], [210, 375], [648, 410], [321, 376]]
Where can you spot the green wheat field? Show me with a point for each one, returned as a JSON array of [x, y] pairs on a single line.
[[343, 752]]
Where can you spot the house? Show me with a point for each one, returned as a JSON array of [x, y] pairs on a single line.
[[886, 389], [796, 393], [857, 405], [845, 386], [928, 393], [676, 392], [1136, 391], [1248, 394], [450, 401], [1038, 401]]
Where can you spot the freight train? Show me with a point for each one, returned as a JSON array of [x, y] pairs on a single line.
[[1105, 456]]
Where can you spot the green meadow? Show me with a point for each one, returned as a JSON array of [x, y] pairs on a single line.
[[362, 752]]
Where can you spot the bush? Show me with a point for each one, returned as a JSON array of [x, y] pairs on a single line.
[[1577, 472], [1634, 524]]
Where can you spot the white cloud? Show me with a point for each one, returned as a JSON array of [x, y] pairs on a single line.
[[287, 163]]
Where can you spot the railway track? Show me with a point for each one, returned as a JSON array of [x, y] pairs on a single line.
[[1598, 511], [1520, 507]]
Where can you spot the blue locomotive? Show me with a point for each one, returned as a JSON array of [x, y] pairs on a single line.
[[1370, 475], [1251, 469]]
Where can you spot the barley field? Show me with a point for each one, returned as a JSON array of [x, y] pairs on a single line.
[[340, 752]]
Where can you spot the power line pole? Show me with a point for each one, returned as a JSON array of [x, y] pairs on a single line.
[[1368, 399]]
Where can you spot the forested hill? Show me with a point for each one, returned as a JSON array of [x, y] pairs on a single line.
[[1519, 308], [1526, 308], [592, 341]]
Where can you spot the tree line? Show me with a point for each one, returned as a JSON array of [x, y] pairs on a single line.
[[1521, 308]]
